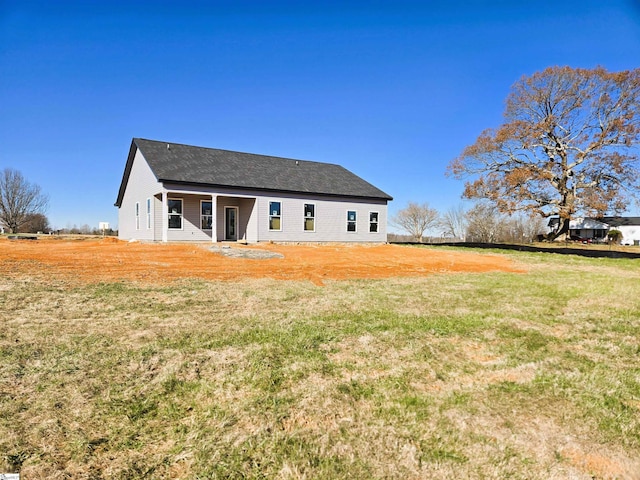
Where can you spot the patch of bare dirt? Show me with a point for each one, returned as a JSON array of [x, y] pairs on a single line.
[[106, 260]]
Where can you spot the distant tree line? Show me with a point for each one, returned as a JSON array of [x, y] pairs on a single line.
[[84, 230], [482, 223], [39, 223], [23, 206]]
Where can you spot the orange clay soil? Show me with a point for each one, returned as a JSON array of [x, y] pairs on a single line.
[[107, 260]]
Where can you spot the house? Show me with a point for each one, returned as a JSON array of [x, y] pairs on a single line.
[[174, 192], [583, 228], [592, 229], [629, 226]]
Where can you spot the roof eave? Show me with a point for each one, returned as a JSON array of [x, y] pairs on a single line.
[[127, 172], [266, 189]]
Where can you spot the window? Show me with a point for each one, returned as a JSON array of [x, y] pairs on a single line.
[[148, 213], [373, 222], [351, 221], [274, 216], [309, 217], [137, 215], [206, 215], [175, 213]]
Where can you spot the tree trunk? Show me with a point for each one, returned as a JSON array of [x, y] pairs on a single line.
[[563, 229]]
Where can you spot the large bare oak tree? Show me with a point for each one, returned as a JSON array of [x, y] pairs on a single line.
[[19, 200], [569, 146]]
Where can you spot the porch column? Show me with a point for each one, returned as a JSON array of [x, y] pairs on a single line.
[[214, 222], [165, 217]]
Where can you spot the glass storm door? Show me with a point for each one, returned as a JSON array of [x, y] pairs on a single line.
[[231, 223]]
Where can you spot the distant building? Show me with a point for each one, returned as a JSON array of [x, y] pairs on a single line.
[[629, 226], [591, 229]]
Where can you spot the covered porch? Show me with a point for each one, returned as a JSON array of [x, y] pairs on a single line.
[[199, 216]]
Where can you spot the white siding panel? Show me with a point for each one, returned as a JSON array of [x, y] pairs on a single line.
[[629, 232], [190, 230], [157, 217], [142, 184], [330, 219]]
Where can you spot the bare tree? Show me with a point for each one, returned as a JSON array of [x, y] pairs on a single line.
[[454, 222], [19, 199], [485, 223], [568, 146], [415, 219], [520, 228], [35, 222], [533, 227]]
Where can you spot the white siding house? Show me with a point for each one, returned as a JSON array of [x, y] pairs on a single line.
[[174, 192], [598, 229], [628, 226]]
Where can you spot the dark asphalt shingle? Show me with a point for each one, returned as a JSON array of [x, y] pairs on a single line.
[[210, 166]]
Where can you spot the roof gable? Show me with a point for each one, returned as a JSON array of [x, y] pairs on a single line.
[[177, 163], [126, 174]]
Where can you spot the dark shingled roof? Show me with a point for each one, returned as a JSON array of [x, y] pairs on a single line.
[[611, 221], [176, 163], [620, 221]]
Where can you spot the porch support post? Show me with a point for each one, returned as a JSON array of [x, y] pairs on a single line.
[[165, 217], [214, 220]]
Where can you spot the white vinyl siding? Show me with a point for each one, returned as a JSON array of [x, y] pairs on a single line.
[[329, 220], [141, 185], [191, 219]]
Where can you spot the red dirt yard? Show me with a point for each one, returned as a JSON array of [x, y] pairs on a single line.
[[107, 260]]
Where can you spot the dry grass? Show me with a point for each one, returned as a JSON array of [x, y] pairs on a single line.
[[497, 375]]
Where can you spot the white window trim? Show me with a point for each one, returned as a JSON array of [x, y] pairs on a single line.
[[315, 214], [201, 216], [181, 200], [149, 214], [377, 222], [349, 221], [137, 215], [279, 216]]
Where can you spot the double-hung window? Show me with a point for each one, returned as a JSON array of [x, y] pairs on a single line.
[[373, 222], [175, 212], [275, 216], [148, 213], [351, 221], [206, 215], [309, 217], [137, 215]]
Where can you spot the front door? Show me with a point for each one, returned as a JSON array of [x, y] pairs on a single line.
[[231, 223]]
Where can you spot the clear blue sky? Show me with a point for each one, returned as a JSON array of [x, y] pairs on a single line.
[[392, 90]]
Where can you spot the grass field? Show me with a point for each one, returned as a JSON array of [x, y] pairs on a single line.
[[486, 375]]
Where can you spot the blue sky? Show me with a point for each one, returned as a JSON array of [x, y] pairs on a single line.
[[392, 90]]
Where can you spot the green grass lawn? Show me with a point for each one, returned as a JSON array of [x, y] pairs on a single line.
[[533, 375]]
